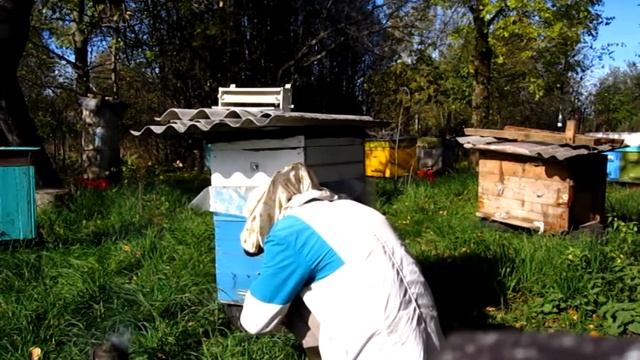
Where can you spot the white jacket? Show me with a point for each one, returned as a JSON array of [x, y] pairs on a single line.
[[354, 275]]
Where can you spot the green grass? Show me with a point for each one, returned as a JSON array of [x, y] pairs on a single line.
[[134, 259], [484, 276]]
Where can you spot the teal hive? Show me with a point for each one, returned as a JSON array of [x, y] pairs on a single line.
[[17, 194]]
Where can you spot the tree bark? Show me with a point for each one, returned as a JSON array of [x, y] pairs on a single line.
[[482, 57], [81, 50], [18, 128]]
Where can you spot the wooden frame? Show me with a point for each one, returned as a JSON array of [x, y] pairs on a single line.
[[552, 137]]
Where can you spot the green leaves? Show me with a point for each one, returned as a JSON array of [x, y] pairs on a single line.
[[621, 317], [615, 100], [537, 52]]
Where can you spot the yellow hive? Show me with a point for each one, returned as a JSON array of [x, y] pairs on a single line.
[[382, 159]]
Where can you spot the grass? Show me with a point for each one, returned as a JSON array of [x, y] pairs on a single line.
[[483, 276], [128, 260], [135, 260]]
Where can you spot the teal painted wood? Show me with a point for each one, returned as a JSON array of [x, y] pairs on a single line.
[[19, 148], [17, 203]]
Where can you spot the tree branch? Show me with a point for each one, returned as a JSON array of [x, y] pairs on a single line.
[[496, 15], [55, 54]]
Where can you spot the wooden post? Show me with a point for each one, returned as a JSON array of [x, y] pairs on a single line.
[[570, 132]]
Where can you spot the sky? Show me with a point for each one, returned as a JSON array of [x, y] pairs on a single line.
[[624, 29]]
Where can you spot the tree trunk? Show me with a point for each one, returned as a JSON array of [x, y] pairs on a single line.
[[115, 83], [81, 50], [482, 57], [17, 126]]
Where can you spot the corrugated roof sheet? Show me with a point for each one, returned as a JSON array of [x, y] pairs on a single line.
[[533, 149], [212, 119]]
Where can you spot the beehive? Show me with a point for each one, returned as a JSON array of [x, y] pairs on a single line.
[[241, 166], [624, 165], [543, 180], [547, 195], [246, 145], [388, 158], [17, 194]]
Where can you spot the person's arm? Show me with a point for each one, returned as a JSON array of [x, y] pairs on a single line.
[[282, 276]]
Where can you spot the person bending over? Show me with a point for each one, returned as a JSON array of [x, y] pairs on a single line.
[[364, 291]]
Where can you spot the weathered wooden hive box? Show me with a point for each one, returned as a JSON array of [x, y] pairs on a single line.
[[17, 194], [526, 180], [245, 146], [389, 158]]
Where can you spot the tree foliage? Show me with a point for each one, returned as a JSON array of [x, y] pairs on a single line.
[[616, 100], [430, 66], [527, 55]]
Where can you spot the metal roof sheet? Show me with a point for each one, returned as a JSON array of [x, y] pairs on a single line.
[[533, 149], [212, 119]]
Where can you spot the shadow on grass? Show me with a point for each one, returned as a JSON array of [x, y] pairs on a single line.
[[463, 287], [37, 243], [187, 184]]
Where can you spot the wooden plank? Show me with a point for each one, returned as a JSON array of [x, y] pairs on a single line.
[[520, 128], [516, 207], [319, 155], [15, 161], [501, 165], [548, 137], [570, 132], [250, 99], [555, 219], [510, 220], [541, 191]]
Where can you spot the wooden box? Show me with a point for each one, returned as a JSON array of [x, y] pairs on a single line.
[[547, 195], [17, 194], [384, 160]]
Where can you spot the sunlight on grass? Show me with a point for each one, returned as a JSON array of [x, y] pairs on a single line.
[[487, 276], [141, 262], [116, 261]]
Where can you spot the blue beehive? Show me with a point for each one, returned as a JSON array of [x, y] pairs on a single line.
[[17, 194], [239, 167], [613, 165], [623, 164], [234, 270]]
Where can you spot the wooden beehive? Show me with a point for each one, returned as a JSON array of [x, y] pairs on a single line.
[[17, 194], [537, 184], [389, 158], [547, 195]]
